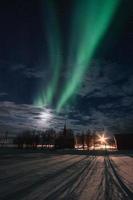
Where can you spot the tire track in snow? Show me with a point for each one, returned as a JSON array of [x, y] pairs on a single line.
[[68, 190], [93, 190], [114, 186], [21, 191], [30, 168]]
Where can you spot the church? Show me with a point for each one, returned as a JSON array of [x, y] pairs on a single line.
[[65, 140]]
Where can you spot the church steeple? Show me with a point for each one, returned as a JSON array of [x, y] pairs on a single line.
[[65, 129]]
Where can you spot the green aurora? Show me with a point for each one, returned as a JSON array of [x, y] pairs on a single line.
[[89, 23], [91, 19], [52, 32]]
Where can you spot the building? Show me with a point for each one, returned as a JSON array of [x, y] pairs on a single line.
[[65, 139]]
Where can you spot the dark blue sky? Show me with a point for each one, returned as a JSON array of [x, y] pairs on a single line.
[[106, 95]]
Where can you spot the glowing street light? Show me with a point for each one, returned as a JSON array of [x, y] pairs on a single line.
[[103, 139]]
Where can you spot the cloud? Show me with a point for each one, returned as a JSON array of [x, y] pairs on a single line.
[[105, 97], [104, 100], [17, 67], [3, 94], [19, 117], [30, 71]]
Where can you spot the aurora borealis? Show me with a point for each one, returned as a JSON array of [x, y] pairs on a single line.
[[90, 20], [66, 59], [54, 53]]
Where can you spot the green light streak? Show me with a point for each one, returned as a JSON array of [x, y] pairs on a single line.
[[48, 91], [91, 20]]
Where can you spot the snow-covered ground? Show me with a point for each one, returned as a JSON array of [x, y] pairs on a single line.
[[40, 176]]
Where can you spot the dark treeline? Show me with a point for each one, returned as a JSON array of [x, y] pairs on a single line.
[[59, 140], [66, 138], [3, 139], [31, 139], [52, 139]]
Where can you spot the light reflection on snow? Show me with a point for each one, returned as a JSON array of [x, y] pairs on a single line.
[[96, 147]]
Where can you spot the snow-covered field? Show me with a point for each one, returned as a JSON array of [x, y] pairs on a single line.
[[50, 176]]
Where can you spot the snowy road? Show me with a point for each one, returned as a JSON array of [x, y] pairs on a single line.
[[43, 176]]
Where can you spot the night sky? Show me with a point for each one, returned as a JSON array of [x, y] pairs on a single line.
[[66, 59]]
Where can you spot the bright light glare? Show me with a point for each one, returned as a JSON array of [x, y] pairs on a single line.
[[102, 139]]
